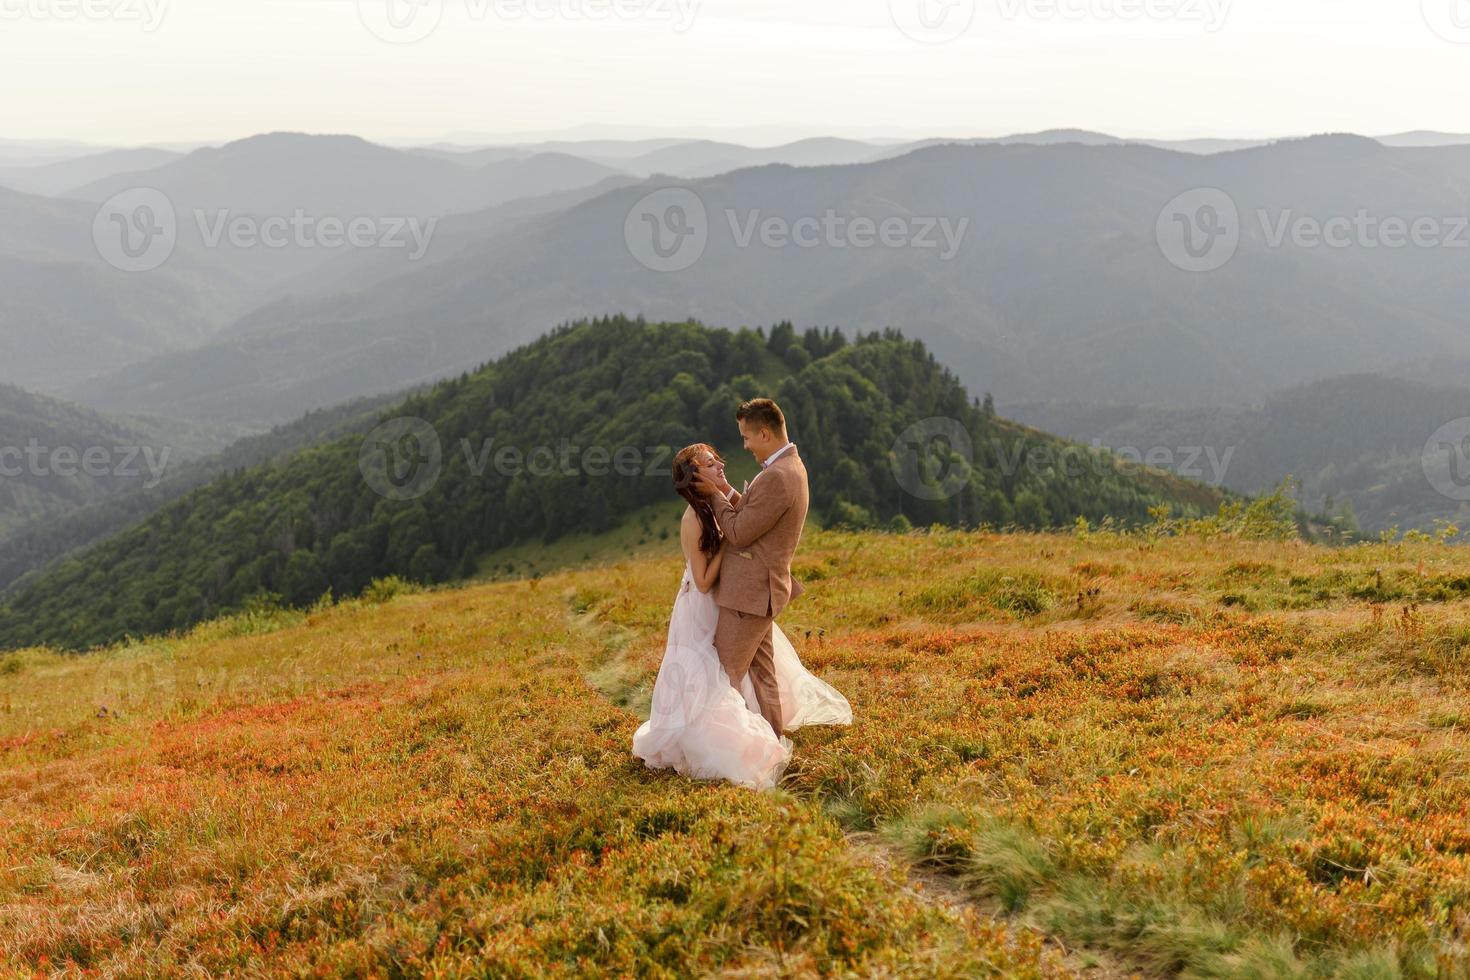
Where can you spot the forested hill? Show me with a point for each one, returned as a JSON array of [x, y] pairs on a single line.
[[56, 456], [572, 433], [36, 544]]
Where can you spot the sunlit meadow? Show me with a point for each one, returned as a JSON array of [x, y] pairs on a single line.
[[1086, 752]]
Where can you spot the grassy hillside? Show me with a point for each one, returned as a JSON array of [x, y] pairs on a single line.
[[1082, 752], [634, 392]]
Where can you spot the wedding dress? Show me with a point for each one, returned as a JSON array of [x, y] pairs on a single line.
[[702, 727]]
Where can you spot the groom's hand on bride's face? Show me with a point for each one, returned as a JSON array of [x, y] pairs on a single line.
[[706, 483]]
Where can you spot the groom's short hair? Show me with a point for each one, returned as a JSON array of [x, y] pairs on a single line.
[[763, 414]]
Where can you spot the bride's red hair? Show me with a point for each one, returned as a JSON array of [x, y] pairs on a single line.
[[686, 464]]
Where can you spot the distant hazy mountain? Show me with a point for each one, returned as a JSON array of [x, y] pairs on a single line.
[[73, 516], [604, 149], [1050, 137], [613, 153], [703, 158], [1204, 145], [1058, 287], [362, 268], [30, 153], [533, 176], [344, 176], [706, 158], [471, 156], [65, 314], [341, 178], [1357, 439], [1423, 137], [55, 456], [65, 175]]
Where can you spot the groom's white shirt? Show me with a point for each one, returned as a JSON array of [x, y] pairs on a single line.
[[764, 466], [776, 455]]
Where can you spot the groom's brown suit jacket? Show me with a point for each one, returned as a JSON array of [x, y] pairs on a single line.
[[763, 526]]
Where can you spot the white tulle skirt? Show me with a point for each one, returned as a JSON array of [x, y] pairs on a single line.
[[702, 727]]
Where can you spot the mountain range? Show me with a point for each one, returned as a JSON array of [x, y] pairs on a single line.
[[58, 178], [60, 167], [67, 315], [1058, 293], [1359, 444], [58, 457], [1058, 287]]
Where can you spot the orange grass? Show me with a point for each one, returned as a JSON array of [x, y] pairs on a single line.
[[1203, 757]]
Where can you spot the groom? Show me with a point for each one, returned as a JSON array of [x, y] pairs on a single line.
[[762, 527]]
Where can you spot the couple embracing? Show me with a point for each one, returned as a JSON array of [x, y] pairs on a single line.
[[731, 686]]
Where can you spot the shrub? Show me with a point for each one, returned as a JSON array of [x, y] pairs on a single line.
[[382, 590]]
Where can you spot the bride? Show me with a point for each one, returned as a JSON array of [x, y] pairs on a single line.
[[700, 725]]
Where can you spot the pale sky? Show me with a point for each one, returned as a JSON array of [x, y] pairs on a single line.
[[763, 70]]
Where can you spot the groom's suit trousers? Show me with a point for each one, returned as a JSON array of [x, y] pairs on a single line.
[[745, 644]]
